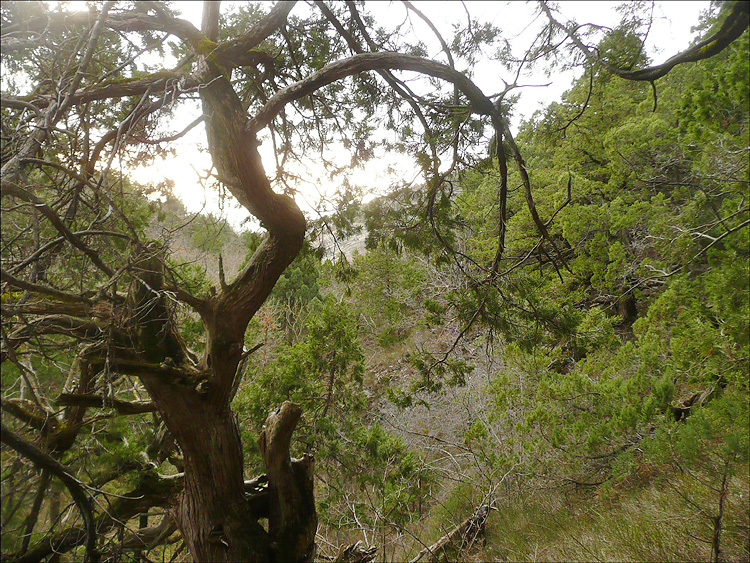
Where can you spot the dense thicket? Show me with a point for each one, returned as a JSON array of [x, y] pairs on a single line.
[[548, 341]]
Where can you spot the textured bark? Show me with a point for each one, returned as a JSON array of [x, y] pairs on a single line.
[[212, 514], [216, 521]]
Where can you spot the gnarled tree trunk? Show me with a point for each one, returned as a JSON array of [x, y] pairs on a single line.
[[216, 519]]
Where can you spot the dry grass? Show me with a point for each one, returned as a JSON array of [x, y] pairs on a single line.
[[652, 524]]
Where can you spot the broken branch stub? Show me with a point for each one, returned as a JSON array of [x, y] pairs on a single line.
[[292, 520]]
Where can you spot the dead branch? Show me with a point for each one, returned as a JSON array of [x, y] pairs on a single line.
[[292, 520], [353, 553], [460, 538], [57, 469], [94, 401]]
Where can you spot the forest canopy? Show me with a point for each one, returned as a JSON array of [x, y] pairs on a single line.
[[540, 349]]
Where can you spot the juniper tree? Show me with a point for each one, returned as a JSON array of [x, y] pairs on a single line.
[[94, 311]]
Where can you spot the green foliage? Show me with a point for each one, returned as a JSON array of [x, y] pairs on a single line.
[[324, 368], [623, 384], [394, 222], [636, 363], [381, 462], [209, 233], [713, 440], [298, 286], [387, 291], [432, 372]]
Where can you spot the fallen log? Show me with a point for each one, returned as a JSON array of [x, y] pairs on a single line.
[[354, 553], [461, 538]]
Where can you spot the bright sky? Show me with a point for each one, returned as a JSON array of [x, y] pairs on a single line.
[[671, 28]]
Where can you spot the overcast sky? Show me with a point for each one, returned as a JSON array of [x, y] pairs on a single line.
[[670, 34]]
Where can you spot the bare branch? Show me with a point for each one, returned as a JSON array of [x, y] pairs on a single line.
[[11, 189], [367, 62], [732, 28], [148, 493], [94, 401], [41, 289]]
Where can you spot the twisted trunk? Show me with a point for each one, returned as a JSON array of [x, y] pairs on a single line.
[[218, 522]]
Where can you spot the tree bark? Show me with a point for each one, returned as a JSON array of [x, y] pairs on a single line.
[[214, 516], [292, 521], [218, 523]]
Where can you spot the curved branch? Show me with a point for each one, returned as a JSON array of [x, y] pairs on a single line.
[[734, 25], [399, 87], [389, 60], [16, 103], [732, 28], [161, 82], [148, 493], [234, 152], [36, 288], [124, 22], [366, 62], [540, 225], [236, 52], [43, 460]]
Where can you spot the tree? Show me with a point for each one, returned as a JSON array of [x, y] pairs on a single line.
[[602, 404], [93, 307]]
